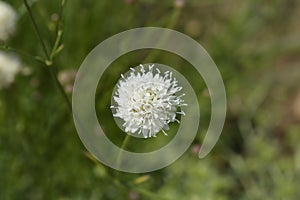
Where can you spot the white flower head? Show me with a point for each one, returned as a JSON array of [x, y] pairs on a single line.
[[8, 19], [147, 101], [9, 66]]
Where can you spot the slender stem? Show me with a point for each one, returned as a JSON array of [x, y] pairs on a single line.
[[21, 53], [49, 59], [56, 44], [151, 57], [173, 18], [60, 15], [36, 29], [124, 144], [57, 47], [172, 22], [60, 87]]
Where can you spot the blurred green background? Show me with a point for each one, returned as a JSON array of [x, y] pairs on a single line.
[[256, 46]]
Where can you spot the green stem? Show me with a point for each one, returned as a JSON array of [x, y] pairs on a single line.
[[60, 15], [174, 17], [56, 44], [124, 144], [57, 47], [60, 87], [49, 58], [21, 53], [37, 30], [171, 24]]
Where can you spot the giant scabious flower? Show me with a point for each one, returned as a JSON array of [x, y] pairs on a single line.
[[147, 101]]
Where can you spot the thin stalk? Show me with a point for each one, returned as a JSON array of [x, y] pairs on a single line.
[[60, 87], [171, 24], [124, 144], [60, 15], [37, 30], [57, 47], [49, 60], [56, 44], [21, 53], [150, 57]]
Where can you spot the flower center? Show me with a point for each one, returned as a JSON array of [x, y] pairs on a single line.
[[142, 100]]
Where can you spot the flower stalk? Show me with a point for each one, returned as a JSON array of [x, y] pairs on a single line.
[[50, 57]]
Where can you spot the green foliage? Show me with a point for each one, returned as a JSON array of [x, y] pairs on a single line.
[[254, 43]]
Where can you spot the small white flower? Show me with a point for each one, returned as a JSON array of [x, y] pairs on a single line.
[[8, 19], [147, 102], [9, 66]]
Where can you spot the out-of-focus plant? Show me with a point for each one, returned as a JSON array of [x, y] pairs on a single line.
[[255, 45]]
